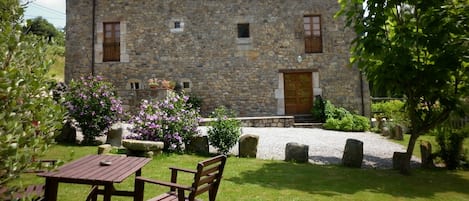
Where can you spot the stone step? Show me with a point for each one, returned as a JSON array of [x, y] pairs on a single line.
[[307, 118], [307, 125]]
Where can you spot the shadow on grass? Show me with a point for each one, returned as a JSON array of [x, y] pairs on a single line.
[[369, 161], [331, 180]]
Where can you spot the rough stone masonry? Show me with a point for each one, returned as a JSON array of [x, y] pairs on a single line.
[[197, 43]]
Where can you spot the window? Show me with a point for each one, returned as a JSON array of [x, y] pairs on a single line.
[[111, 44], [313, 35], [177, 25], [243, 30], [186, 85], [134, 85]]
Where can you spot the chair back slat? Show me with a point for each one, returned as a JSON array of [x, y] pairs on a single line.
[[208, 176]]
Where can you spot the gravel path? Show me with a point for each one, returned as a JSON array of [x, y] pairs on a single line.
[[325, 146]]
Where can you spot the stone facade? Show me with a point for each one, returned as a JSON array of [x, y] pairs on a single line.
[[204, 53]]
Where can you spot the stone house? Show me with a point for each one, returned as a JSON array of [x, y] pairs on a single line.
[[260, 58]]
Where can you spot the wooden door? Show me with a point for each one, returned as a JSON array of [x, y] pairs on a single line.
[[298, 93]]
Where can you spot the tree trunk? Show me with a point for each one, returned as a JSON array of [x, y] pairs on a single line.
[[404, 162]]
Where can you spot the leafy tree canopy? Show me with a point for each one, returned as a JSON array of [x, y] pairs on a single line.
[[41, 27], [417, 48], [29, 116]]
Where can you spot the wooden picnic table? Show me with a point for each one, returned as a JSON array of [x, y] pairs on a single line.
[[95, 170]]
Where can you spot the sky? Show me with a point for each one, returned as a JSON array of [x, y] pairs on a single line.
[[51, 10]]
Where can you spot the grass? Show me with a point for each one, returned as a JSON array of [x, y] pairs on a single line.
[[429, 138], [253, 179], [57, 69]]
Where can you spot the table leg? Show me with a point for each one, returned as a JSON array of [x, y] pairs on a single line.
[[108, 190], [52, 186], [139, 186]]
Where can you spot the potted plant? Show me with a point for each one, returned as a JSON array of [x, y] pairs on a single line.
[[153, 83]]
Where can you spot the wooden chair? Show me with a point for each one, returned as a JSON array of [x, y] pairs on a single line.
[[32, 192], [207, 177]]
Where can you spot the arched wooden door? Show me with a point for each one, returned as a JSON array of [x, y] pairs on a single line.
[[298, 93]]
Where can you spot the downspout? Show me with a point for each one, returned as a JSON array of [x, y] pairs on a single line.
[[362, 93], [93, 37]]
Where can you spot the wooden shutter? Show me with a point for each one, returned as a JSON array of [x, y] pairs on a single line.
[[111, 45], [313, 34]]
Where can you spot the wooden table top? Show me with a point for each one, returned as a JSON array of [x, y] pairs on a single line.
[[90, 169]]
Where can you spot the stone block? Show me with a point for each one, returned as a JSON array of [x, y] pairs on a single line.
[[400, 162], [198, 144], [248, 145], [104, 149], [142, 147], [296, 152], [426, 154], [398, 133], [114, 137], [68, 134], [353, 153]]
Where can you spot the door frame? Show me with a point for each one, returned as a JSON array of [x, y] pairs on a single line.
[[280, 90]]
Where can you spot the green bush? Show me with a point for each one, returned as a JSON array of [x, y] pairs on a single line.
[[318, 110], [450, 143], [224, 130], [29, 115], [393, 110], [340, 119]]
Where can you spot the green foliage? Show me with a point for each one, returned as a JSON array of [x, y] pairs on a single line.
[[318, 110], [340, 119], [195, 101], [41, 27], [393, 110], [224, 130], [415, 48], [92, 103], [29, 116], [450, 142]]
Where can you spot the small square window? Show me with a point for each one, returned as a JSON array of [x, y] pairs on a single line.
[[243, 30], [177, 25], [186, 85]]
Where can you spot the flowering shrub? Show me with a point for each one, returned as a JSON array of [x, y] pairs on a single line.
[[172, 121], [93, 104], [224, 131]]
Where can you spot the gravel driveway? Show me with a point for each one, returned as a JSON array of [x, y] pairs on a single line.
[[325, 146]]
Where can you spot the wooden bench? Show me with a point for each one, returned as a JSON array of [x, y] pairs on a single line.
[[207, 177], [31, 192]]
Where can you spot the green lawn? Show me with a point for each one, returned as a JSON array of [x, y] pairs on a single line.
[[252, 179], [429, 138]]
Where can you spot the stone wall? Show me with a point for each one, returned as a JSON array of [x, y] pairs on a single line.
[[242, 74], [270, 121]]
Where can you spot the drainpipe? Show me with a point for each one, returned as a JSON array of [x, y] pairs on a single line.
[[93, 37], [362, 93]]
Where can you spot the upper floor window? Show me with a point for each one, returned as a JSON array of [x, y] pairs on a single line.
[[111, 44], [313, 34], [243, 30]]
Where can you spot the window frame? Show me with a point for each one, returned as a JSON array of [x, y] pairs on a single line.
[[313, 34], [111, 45]]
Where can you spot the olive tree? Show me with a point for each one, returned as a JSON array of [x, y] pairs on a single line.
[[418, 48], [29, 116]]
